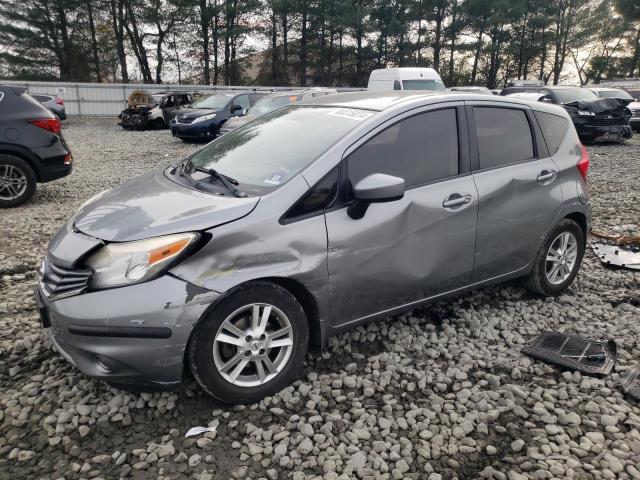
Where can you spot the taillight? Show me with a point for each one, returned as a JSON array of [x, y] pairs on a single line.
[[51, 124], [59, 101], [583, 163], [68, 159]]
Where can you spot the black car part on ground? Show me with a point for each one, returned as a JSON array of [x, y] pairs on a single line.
[[574, 353], [630, 383], [616, 255]]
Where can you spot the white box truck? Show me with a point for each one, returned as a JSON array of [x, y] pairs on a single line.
[[408, 78]]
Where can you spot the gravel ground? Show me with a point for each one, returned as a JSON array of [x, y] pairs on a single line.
[[441, 392]]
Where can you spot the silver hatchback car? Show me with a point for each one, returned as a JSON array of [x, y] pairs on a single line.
[[307, 221]]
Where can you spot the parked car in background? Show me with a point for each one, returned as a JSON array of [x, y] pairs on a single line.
[[404, 78], [153, 110], [308, 221], [596, 119], [53, 103], [471, 89], [201, 121], [604, 92], [32, 148], [634, 107], [271, 102]]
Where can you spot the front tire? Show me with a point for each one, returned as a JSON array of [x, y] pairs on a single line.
[[250, 345], [17, 181], [558, 260]]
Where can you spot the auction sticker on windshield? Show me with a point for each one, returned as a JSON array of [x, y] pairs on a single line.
[[351, 113]]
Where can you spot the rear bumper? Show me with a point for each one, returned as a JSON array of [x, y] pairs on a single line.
[[134, 335]]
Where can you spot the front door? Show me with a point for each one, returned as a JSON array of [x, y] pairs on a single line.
[[519, 195], [416, 247]]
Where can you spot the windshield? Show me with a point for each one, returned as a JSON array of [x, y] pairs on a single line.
[[568, 95], [634, 94], [269, 104], [614, 94], [269, 151], [213, 102], [422, 85], [157, 98]]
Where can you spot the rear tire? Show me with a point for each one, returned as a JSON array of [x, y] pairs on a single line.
[[250, 345], [557, 262], [17, 181]]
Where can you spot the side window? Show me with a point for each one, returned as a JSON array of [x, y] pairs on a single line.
[[243, 101], [504, 136], [554, 128], [419, 149], [396, 85], [170, 101], [321, 196]]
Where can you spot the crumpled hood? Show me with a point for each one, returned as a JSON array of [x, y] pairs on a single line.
[[601, 105], [194, 112], [153, 205]]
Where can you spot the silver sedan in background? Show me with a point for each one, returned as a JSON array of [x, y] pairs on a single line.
[[53, 103]]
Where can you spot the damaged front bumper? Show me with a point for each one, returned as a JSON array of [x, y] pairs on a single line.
[[602, 133], [134, 335]]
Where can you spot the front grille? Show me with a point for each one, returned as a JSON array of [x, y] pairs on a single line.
[[635, 112], [607, 120], [57, 281], [184, 121]]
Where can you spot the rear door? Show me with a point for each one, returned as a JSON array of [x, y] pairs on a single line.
[[520, 197], [406, 250]]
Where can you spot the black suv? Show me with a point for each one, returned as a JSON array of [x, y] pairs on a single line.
[[201, 121], [32, 148]]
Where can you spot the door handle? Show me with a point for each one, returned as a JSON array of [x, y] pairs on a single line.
[[546, 175], [456, 200]]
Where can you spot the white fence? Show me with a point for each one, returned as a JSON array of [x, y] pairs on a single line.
[[108, 99]]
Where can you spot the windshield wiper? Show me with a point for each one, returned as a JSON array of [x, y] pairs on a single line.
[[228, 182]]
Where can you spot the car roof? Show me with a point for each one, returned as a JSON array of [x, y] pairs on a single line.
[[605, 89], [379, 101]]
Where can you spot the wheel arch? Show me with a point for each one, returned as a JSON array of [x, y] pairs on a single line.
[[22, 155], [317, 334], [581, 219]]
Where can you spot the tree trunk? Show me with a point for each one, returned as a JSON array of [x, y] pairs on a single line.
[[285, 47], [453, 41], [437, 41], [94, 43], [204, 33], [635, 63], [303, 46], [117, 17], [274, 48], [137, 43], [216, 39], [476, 59]]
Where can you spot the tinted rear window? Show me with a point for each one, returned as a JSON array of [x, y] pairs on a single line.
[[504, 136], [554, 128]]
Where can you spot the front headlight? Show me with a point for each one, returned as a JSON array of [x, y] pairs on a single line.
[[586, 113], [204, 117], [118, 264]]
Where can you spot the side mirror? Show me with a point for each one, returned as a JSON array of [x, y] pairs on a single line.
[[375, 188], [238, 110]]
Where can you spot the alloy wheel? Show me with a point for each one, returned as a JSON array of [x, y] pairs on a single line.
[[253, 345], [13, 182], [561, 258]]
